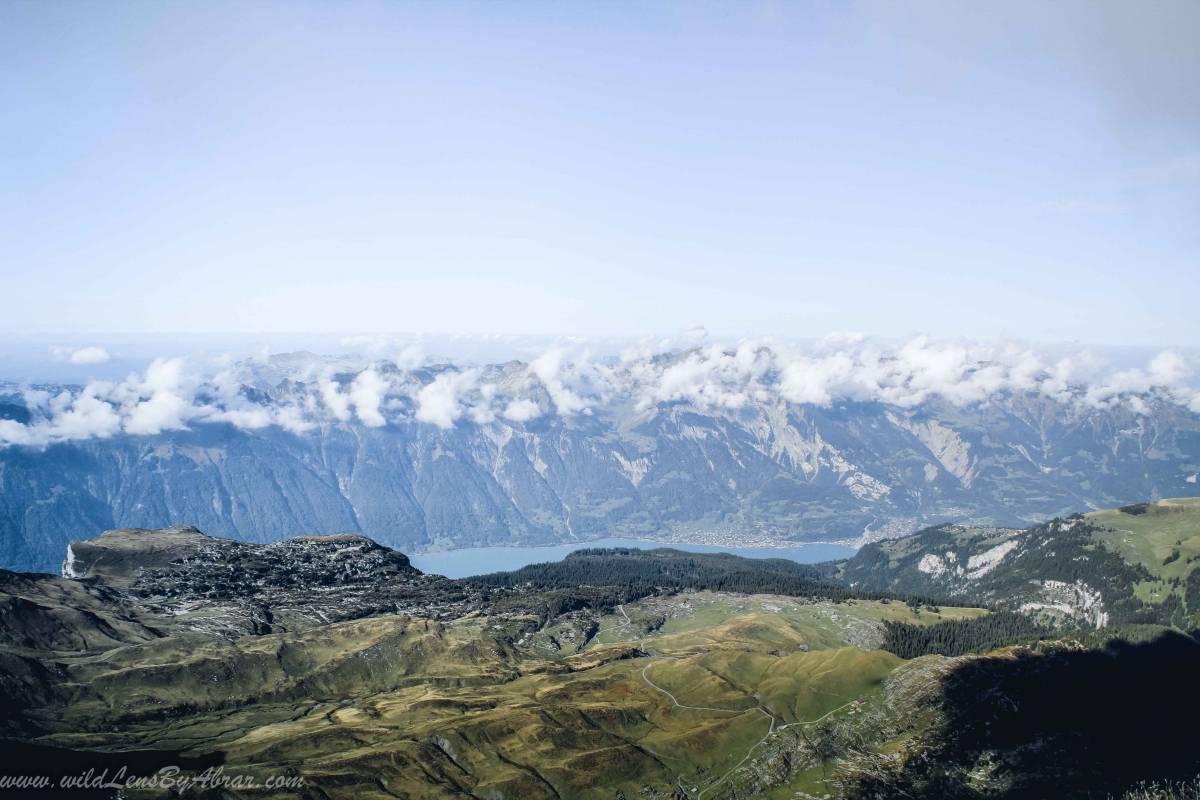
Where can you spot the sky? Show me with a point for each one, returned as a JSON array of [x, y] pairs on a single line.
[[614, 169]]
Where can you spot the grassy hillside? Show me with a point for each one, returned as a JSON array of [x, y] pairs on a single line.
[[1163, 537], [1134, 565], [690, 689]]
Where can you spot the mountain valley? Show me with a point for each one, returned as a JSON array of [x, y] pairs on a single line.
[[331, 663]]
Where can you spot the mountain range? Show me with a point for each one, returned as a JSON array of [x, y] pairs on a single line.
[[439, 457]]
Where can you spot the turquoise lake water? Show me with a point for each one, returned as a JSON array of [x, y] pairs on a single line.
[[479, 560]]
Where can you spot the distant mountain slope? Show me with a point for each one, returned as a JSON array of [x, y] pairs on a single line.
[[753, 467], [1137, 564]]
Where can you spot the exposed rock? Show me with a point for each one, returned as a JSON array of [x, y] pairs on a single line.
[[767, 469]]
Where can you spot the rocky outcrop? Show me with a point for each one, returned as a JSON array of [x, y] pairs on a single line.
[[186, 580]]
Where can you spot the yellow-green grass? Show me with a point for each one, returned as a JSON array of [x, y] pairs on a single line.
[[806, 784], [1150, 538], [589, 734], [703, 620], [390, 706], [800, 687]]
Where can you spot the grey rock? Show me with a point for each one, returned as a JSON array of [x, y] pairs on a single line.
[[854, 471]]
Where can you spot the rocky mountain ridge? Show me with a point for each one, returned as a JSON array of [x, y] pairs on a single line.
[[215, 585], [751, 465], [1136, 564]]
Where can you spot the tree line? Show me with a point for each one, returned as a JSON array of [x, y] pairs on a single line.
[[961, 636], [630, 574]]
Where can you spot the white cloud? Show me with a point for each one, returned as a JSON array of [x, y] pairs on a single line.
[[161, 400], [334, 399], [68, 418], [292, 419], [1167, 372], [439, 402], [522, 410], [178, 393], [248, 418], [367, 392], [548, 368], [707, 377], [367, 343], [171, 395], [81, 355], [1168, 369], [403, 352], [812, 381]]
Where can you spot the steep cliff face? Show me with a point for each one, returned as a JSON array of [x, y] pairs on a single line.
[[766, 469]]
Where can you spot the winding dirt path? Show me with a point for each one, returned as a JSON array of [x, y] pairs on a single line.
[[771, 730], [756, 745]]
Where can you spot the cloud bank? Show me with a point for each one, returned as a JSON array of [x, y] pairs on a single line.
[[298, 392]]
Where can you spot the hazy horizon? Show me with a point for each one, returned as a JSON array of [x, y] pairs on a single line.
[[74, 357]]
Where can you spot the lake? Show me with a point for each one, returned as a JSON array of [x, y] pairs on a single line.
[[479, 560]]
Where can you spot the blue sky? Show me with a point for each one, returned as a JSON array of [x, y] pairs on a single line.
[[982, 170]]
